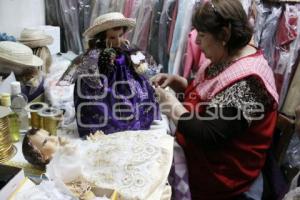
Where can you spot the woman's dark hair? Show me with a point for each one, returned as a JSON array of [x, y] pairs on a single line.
[[30, 153], [99, 39], [213, 15]]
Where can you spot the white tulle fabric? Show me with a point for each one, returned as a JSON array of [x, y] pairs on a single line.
[[45, 191], [134, 163]]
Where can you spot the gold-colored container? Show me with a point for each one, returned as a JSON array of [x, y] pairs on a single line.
[[50, 119], [5, 99], [34, 108], [7, 149]]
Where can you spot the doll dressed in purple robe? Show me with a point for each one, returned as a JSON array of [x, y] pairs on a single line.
[[112, 92]]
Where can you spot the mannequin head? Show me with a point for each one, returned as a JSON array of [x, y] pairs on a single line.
[[38, 147]]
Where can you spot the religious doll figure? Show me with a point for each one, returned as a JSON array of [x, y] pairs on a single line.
[[112, 92]]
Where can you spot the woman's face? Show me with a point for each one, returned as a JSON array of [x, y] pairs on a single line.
[[114, 35], [46, 144], [211, 47]]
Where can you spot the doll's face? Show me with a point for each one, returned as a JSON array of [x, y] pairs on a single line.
[[44, 143], [114, 35]]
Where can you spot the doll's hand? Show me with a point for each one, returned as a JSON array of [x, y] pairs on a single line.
[[96, 136]]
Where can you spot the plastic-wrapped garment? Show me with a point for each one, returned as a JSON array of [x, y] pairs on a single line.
[[153, 37], [172, 25], [65, 14], [194, 57], [52, 13], [265, 28], [279, 71], [128, 8], [135, 10], [117, 5], [288, 39], [70, 18], [99, 7], [293, 97], [180, 35], [134, 163], [142, 29], [293, 152], [246, 5], [164, 26], [85, 12], [294, 192]]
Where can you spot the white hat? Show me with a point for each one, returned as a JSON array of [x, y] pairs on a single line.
[[19, 54], [108, 21], [35, 38]]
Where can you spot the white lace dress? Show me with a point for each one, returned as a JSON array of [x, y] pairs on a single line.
[[136, 164]]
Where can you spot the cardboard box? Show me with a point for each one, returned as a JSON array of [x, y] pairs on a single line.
[[10, 179]]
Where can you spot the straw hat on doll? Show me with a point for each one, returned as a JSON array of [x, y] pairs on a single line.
[[108, 21], [35, 38], [18, 54]]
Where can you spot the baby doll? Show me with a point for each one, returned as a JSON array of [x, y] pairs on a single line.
[[111, 93], [38, 146]]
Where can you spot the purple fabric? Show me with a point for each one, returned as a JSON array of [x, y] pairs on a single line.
[[178, 177], [98, 101]]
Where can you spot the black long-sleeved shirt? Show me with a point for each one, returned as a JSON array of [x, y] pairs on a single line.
[[212, 133]]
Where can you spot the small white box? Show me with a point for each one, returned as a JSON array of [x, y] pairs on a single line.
[[53, 31], [10, 178]]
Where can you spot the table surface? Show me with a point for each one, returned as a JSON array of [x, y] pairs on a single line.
[[35, 173]]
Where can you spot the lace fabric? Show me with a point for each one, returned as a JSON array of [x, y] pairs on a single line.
[[134, 163]]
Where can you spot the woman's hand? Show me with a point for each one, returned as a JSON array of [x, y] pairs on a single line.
[[169, 104], [177, 83]]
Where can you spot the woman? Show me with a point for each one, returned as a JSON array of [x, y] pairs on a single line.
[[111, 94], [226, 121]]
